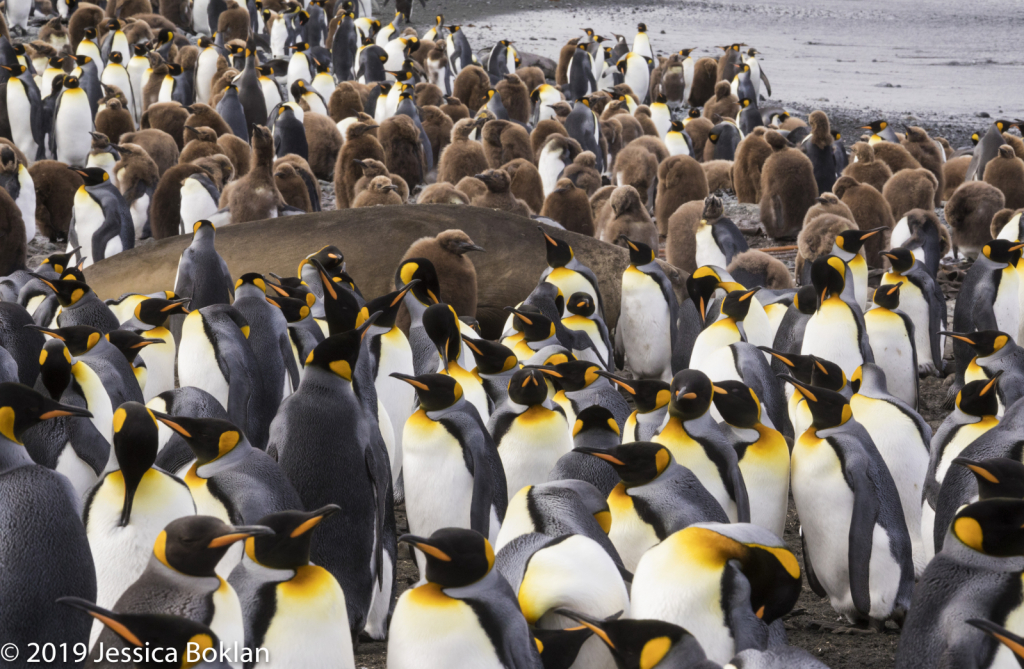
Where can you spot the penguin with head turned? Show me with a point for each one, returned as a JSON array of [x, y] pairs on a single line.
[[893, 343], [79, 305], [203, 275], [268, 336], [595, 429], [921, 300], [995, 353], [567, 273], [495, 365]]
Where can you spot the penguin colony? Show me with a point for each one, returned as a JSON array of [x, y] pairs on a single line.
[[218, 464]]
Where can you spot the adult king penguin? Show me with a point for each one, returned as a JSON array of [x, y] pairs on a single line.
[[646, 330], [922, 301], [101, 217], [836, 331], [891, 333]]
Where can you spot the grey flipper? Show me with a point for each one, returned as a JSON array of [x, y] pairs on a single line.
[[758, 374], [748, 631], [729, 239], [812, 578]]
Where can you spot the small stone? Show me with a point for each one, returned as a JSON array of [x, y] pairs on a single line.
[[983, 115]]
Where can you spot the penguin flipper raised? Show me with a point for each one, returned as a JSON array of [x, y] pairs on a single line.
[[862, 529]]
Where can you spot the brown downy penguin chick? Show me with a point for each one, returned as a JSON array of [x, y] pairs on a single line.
[[910, 189], [293, 188], [954, 172], [138, 32], [918, 220], [114, 121], [427, 93], [565, 55], [681, 244], [178, 12], [531, 76], [202, 142], [614, 108], [205, 115], [926, 152], [631, 128], [600, 209], [86, 15], [454, 108], [504, 141], [126, 8], [169, 117], [757, 268], [442, 193], [611, 141], [969, 213], [865, 168], [472, 187], [499, 194], [324, 141], [719, 175], [233, 22], [221, 80], [187, 57], [704, 80], [629, 218], [751, 153], [819, 234], [219, 168], [160, 146], [56, 186], [345, 101], [380, 192], [374, 168], [870, 210], [999, 221], [516, 97], [699, 129], [724, 103], [54, 33], [654, 146], [1006, 172], [137, 174], [543, 130], [255, 196], [237, 151], [562, 110], [305, 172], [360, 145], [526, 182], [895, 156], [791, 123], [828, 203], [165, 212], [643, 116], [583, 172], [471, 87], [456, 275], [635, 166], [569, 206], [151, 87], [403, 151], [1016, 143], [681, 179], [464, 156], [788, 188], [438, 127], [14, 249]]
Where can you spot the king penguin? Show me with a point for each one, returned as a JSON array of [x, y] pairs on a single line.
[[151, 319], [995, 353], [582, 386], [416, 301], [101, 217], [646, 330], [849, 247], [268, 337], [79, 305], [442, 326], [495, 365], [891, 333], [923, 302], [836, 331], [70, 141], [567, 273], [650, 397]]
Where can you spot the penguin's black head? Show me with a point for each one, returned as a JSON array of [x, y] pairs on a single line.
[[22, 407], [647, 394], [79, 339], [90, 34], [595, 419], [636, 463], [193, 545], [806, 300], [701, 289], [799, 366], [573, 375], [254, 279], [435, 391], [92, 176], [690, 394], [116, 57], [155, 311], [441, 324], [428, 290], [901, 259], [455, 557], [341, 306], [165, 37], [174, 69], [984, 342], [852, 241], [736, 304], [997, 477], [331, 257], [535, 326], [827, 374], [140, 49], [491, 357], [640, 254], [136, 439], [129, 343], [828, 276], [581, 304], [528, 387], [828, 408], [209, 438], [993, 526], [1002, 251], [288, 546], [888, 296], [979, 398], [641, 643], [68, 291], [55, 368], [293, 308], [677, 126], [559, 253], [738, 404], [59, 261], [387, 305], [641, 27], [151, 630], [876, 126], [560, 648], [338, 353], [203, 229]]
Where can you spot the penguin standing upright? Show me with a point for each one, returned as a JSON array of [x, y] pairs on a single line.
[[70, 141], [567, 273], [101, 217], [203, 275], [455, 360], [849, 247], [24, 113], [126, 512], [584, 318], [698, 443], [46, 532], [424, 294], [923, 302], [268, 337], [856, 547], [581, 73], [891, 333], [646, 331], [836, 331], [727, 330], [250, 93], [583, 126], [151, 319], [288, 601], [308, 448]]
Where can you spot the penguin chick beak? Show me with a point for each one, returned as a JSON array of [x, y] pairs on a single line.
[[239, 533]]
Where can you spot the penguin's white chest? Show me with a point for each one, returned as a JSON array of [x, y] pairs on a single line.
[[227, 618], [569, 282], [438, 487], [630, 535], [19, 111], [708, 251], [72, 127], [532, 446], [166, 89], [832, 334], [26, 202], [197, 360], [894, 352], [915, 306], [310, 624], [81, 475], [1007, 303], [645, 324], [765, 469], [89, 218]]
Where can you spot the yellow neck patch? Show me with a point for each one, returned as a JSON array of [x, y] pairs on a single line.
[[653, 652], [968, 530], [7, 423]]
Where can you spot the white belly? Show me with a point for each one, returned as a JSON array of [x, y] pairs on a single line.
[[532, 446], [1007, 304], [118, 76], [81, 475], [19, 111], [646, 327], [73, 139], [310, 627], [833, 336], [914, 305], [630, 535], [894, 353], [166, 90], [140, 215], [397, 396], [197, 361], [227, 618], [27, 201], [424, 635], [708, 252]]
